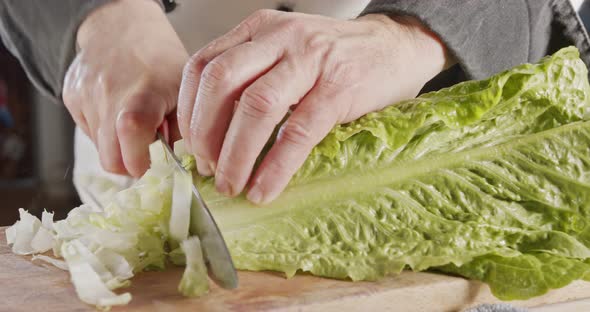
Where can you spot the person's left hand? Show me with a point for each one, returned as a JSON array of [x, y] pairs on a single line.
[[237, 89]]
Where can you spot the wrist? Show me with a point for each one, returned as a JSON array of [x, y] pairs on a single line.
[[114, 18], [425, 47]]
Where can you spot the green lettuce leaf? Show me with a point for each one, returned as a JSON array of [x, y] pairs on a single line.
[[488, 179], [523, 276]]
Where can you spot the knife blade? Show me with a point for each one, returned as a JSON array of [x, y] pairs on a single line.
[[219, 263]]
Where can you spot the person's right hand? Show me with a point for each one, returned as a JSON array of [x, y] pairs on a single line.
[[124, 81]]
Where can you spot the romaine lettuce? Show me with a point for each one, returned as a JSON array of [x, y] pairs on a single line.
[[487, 179]]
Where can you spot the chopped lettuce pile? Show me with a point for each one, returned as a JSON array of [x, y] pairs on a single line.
[[143, 228], [487, 179]]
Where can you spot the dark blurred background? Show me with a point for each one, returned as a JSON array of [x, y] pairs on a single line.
[[36, 142]]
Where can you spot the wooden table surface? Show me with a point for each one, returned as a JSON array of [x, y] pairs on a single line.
[[35, 286]]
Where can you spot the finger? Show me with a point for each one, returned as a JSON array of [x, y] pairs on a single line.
[[261, 107], [136, 127], [194, 68], [222, 82], [108, 147], [306, 127]]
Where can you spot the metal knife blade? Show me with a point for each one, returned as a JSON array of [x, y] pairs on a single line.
[[219, 262]]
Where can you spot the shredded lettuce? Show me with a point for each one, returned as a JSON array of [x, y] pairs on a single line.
[[177, 257], [103, 249], [194, 282], [487, 179], [60, 264], [181, 206], [29, 236], [42, 241], [91, 278], [47, 220], [11, 233]]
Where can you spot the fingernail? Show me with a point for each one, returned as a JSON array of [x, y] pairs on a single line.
[[203, 167], [223, 186], [255, 195]]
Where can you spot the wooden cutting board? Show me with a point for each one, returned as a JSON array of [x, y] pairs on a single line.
[[35, 286]]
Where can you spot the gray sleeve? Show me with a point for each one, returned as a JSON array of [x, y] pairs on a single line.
[[42, 36], [487, 37]]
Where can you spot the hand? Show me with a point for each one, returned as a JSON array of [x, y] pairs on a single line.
[[237, 89], [125, 81]]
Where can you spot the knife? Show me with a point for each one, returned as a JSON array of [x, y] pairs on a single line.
[[219, 263]]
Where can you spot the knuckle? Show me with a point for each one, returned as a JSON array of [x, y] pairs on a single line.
[[336, 75], [256, 19], [259, 101], [341, 69], [296, 133], [295, 26], [130, 122], [319, 45], [195, 64], [260, 16], [215, 73]]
